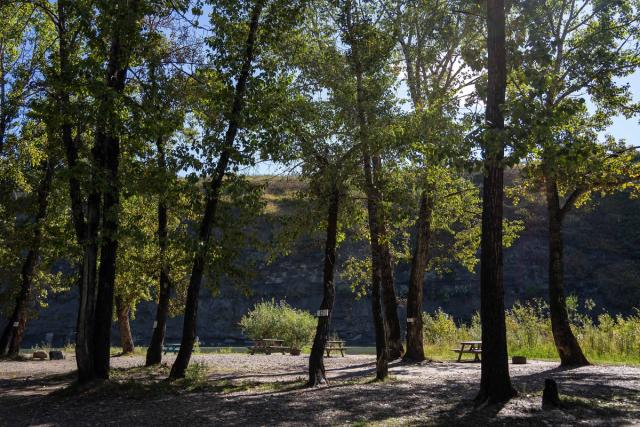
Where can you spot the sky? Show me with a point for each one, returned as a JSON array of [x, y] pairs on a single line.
[[621, 128], [629, 129]]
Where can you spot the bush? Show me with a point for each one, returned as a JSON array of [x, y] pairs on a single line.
[[439, 328], [269, 319]]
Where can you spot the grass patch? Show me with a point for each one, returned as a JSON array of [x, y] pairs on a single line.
[[605, 339]]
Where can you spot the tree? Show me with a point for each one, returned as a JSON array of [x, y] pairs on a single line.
[[23, 46], [495, 383], [240, 63], [576, 51], [440, 47], [369, 68]]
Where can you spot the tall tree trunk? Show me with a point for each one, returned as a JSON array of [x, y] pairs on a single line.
[[379, 321], [415, 342], [566, 343], [316, 359], [14, 331], [85, 338], [107, 139], [204, 235], [495, 383], [85, 229], [108, 255], [124, 326], [389, 299], [154, 352]]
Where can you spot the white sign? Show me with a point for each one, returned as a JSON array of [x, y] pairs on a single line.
[[410, 320], [15, 324], [323, 313], [155, 324]]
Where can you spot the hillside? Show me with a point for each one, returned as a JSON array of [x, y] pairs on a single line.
[[602, 263]]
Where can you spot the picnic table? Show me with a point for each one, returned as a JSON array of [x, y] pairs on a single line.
[[474, 347], [171, 348], [335, 345], [267, 346]]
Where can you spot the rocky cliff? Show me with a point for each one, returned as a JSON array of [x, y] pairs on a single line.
[[602, 263]]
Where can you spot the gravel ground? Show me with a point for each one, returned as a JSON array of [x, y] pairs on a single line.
[[244, 390]]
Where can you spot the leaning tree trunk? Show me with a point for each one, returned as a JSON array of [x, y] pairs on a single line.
[[415, 342], [154, 352], [124, 326], [204, 234], [14, 331], [495, 383], [566, 343], [317, 373]]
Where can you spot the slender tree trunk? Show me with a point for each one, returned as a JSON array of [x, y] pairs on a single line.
[[495, 383], [204, 235], [566, 343], [415, 342], [316, 359], [389, 299], [154, 352], [86, 229], [379, 321], [124, 326], [14, 331]]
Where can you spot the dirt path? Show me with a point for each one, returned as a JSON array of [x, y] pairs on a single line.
[[243, 390]]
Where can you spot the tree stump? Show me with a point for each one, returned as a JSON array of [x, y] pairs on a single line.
[[56, 355], [39, 354], [550, 395], [519, 360]]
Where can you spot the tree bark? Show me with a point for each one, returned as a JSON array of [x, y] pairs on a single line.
[[154, 352], [204, 235], [566, 343], [124, 326], [415, 341], [108, 140], [14, 331], [317, 374], [85, 228], [379, 321], [389, 299], [495, 383]]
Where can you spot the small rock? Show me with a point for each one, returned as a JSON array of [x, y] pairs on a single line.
[[56, 355], [39, 355]]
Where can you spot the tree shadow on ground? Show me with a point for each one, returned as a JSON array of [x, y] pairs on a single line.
[[351, 396]]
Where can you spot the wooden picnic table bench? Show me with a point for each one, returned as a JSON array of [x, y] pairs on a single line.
[[335, 345], [474, 347], [268, 345], [171, 348]]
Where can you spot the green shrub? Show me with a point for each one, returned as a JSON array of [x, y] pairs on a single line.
[[269, 319], [439, 328]]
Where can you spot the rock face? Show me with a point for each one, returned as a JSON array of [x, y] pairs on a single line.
[[602, 263]]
